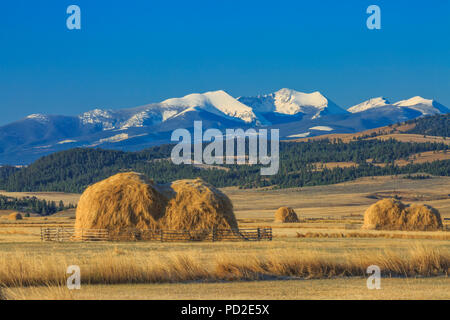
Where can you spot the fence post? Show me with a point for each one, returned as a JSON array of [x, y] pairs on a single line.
[[259, 234], [162, 235], [214, 234]]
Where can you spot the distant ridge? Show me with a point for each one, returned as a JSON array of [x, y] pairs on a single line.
[[294, 113]]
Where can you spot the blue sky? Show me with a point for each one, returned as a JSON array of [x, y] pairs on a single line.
[[130, 53]]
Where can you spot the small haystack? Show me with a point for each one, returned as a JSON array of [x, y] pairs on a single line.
[[123, 201], [15, 216], [391, 214], [197, 205], [285, 215]]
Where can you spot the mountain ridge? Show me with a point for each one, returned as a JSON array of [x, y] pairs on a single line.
[[294, 113]]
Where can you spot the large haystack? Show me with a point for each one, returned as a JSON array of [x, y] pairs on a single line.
[[196, 205], [391, 214], [123, 201], [129, 201], [15, 216], [286, 214]]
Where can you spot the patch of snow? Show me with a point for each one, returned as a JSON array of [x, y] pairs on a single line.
[[38, 117], [99, 116], [135, 121], [116, 138], [321, 128], [67, 141], [300, 135]]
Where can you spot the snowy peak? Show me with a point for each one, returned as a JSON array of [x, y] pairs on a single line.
[[218, 102], [414, 101], [425, 106], [417, 103], [369, 104], [291, 102]]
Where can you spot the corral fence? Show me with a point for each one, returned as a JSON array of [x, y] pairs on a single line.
[[64, 234]]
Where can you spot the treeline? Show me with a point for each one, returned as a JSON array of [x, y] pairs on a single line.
[[6, 171], [32, 205], [436, 125], [73, 170]]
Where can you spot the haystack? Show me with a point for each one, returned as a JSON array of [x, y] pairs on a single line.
[[391, 214], [129, 201], [15, 216], [197, 205], [124, 201], [423, 217], [286, 214]]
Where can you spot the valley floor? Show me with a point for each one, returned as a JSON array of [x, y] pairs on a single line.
[[331, 217]]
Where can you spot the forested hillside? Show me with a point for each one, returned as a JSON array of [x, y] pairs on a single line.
[[437, 125], [74, 170], [32, 205]]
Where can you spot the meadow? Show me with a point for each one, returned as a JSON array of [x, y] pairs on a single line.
[[325, 255]]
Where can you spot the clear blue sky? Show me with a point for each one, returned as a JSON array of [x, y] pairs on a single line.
[[130, 53]]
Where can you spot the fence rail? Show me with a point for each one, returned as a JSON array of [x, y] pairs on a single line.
[[64, 234]]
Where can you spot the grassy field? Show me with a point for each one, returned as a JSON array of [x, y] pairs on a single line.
[[326, 250], [317, 289]]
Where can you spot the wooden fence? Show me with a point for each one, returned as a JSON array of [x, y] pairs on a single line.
[[64, 234]]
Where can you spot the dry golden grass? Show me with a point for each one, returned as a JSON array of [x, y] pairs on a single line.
[[407, 137], [112, 267], [404, 235], [315, 289], [326, 213]]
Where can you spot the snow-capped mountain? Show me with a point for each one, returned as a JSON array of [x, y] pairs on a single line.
[[294, 113], [425, 106], [291, 102], [369, 104], [217, 102]]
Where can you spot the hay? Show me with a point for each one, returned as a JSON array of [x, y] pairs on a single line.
[[15, 216], [423, 217], [391, 214], [286, 215], [196, 205], [123, 201], [129, 201]]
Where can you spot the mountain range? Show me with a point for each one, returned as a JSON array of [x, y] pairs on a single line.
[[296, 114]]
